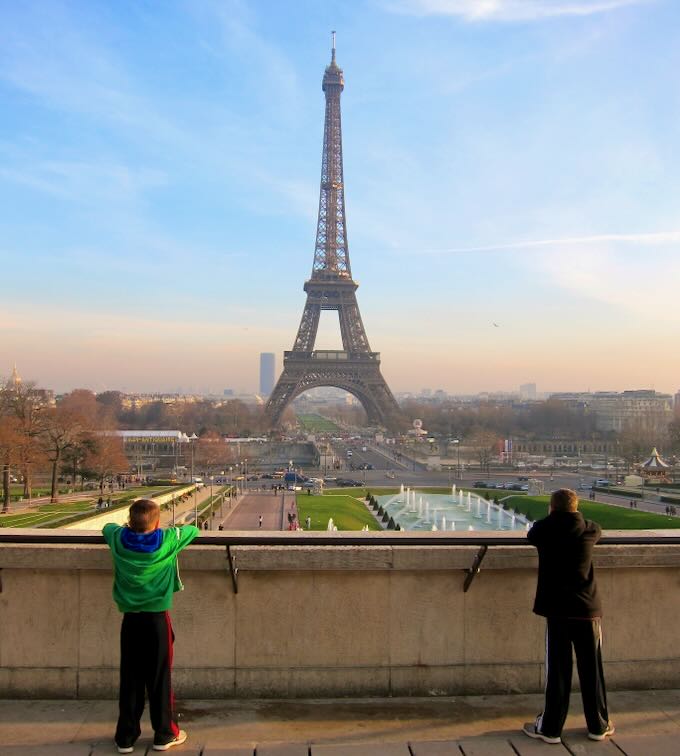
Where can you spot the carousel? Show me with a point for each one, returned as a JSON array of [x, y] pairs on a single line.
[[655, 470]]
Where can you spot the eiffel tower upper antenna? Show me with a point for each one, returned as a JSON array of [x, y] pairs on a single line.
[[333, 47]]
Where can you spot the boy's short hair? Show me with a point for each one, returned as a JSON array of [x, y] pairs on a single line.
[[564, 500], [143, 515]]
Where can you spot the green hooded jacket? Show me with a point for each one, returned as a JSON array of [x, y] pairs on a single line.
[[144, 581]]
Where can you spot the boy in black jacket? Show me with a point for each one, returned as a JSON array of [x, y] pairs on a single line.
[[566, 595]]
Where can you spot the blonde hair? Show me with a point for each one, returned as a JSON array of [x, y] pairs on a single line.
[[564, 500]]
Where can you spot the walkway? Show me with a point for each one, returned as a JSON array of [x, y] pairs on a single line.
[[272, 506], [648, 724]]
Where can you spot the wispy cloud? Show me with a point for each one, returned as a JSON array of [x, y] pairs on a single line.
[[657, 237], [508, 10]]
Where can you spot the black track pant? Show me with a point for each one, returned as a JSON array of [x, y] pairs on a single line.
[[146, 641], [586, 638]]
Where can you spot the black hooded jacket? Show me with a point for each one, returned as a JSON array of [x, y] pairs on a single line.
[[566, 580]]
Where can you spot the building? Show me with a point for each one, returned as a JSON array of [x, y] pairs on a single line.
[[267, 369], [150, 450], [527, 391], [644, 409]]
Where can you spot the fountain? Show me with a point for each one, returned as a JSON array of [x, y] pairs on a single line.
[[447, 511], [331, 525], [401, 492], [453, 491]]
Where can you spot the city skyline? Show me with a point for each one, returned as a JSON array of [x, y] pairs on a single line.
[[511, 189]]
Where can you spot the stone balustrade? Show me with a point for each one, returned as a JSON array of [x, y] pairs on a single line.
[[320, 621]]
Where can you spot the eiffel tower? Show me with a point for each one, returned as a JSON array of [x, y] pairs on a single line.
[[355, 368]]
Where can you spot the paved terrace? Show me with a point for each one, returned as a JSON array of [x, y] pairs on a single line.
[[648, 724], [335, 644]]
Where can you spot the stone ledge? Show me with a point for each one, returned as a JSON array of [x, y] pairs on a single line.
[[343, 558]]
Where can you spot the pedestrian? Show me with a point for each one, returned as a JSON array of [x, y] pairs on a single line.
[[567, 596], [108, 502], [220, 527], [260, 521], [630, 503], [145, 578], [100, 503]]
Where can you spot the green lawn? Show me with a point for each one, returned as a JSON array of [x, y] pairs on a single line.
[[317, 424], [608, 516], [51, 515], [346, 511]]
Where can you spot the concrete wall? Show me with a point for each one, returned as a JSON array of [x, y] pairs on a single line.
[[330, 621], [120, 516]]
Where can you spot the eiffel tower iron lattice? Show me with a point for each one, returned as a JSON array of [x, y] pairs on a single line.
[[355, 368]]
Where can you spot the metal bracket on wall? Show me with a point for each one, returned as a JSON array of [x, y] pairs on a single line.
[[233, 569], [475, 568]]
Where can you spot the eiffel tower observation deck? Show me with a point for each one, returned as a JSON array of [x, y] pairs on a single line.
[[355, 368]]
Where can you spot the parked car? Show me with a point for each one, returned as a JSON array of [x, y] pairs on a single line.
[[602, 482], [479, 484]]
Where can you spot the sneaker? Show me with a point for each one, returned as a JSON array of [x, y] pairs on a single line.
[[124, 749], [531, 729], [602, 735], [178, 740]]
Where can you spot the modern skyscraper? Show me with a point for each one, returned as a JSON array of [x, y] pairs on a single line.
[[267, 367]]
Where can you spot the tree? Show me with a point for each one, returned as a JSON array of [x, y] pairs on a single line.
[[10, 438], [28, 404], [483, 442], [105, 456], [66, 425]]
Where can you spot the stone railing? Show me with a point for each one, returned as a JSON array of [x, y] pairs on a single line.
[[384, 615]]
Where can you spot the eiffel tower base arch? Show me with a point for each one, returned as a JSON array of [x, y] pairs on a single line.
[[360, 376]]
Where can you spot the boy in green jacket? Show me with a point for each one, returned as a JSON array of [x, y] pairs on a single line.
[[145, 577]]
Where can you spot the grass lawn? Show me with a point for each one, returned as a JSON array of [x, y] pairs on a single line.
[[608, 516], [317, 424], [346, 511]]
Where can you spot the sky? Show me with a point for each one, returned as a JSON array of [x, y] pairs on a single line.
[[507, 162]]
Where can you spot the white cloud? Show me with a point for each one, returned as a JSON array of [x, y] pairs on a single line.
[[509, 10], [655, 237]]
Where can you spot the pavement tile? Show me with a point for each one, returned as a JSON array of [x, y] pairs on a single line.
[[56, 749], [219, 751], [525, 746], [282, 749], [579, 744], [435, 748], [648, 745], [361, 749], [492, 746]]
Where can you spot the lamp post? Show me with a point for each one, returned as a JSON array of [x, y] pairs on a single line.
[[231, 490], [211, 501], [245, 473], [193, 438]]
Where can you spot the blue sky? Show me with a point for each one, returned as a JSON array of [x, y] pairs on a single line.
[[507, 161]]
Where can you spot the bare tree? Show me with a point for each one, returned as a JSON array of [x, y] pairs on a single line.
[[66, 425], [483, 442], [105, 457]]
